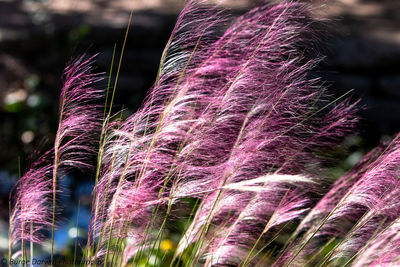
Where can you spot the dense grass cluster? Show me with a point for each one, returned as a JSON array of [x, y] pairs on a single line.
[[227, 149]]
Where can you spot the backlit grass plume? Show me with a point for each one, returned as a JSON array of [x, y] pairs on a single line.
[[36, 205], [227, 150], [361, 206], [31, 213]]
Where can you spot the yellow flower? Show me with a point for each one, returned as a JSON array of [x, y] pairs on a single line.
[[166, 245]]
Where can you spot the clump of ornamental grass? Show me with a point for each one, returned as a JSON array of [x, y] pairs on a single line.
[[361, 208], [229, 140], [35, 204]]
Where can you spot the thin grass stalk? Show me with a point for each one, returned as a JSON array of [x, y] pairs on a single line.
[[9, 233], [55, 168], [176, 257], [269, 242], [168, 177], [121, 232], [101, 147], [23, 243], [246, 260], [113, 220], [120, 250], [116, 256], [159, 234], [372, 240], [112, 100], [313, 234], [122, 177], [76, 234], [330, 241], [363, 221], [104, 208], [155, 212], [376, 232], [102, 230], [195, 256], [359, 224], [23, 222], [31, 246], [109, 84], [109, 243], [119, 244], [112, 215]]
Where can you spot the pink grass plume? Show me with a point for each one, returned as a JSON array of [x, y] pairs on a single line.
[[35, 206]]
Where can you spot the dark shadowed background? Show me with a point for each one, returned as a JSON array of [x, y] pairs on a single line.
[[38, 38]]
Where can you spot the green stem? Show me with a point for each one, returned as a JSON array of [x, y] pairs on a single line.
[[23, 244], [109, 242], [55, 168], [113, 93], [31, 246], [9, 234], [76, 234], [100, 154]]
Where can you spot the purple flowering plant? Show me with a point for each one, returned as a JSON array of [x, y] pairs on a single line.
[[229, 141]]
